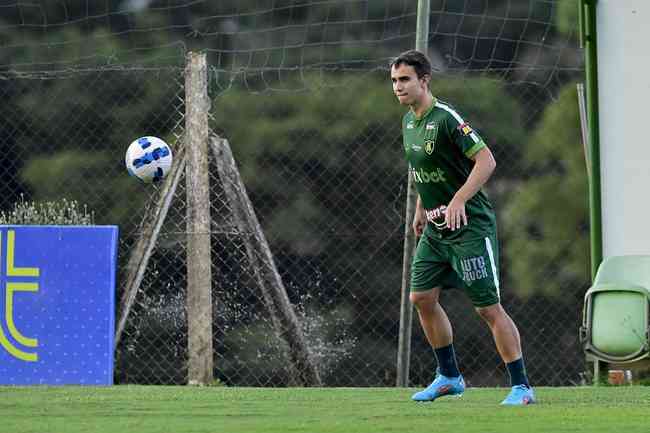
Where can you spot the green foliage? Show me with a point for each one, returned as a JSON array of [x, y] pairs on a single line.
[[216, 383], [75, 144], [566, 17], [300, 152], [73, 174], [490, 109], [61, 212], [545, 220], [70, 44], [75, 118]]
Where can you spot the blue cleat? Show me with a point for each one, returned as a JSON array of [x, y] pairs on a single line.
[[441, 386], [520, 395]]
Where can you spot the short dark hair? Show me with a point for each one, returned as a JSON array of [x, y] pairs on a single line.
[[414, 58]]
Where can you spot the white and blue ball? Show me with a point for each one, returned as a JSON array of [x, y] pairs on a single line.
[[149, 159]]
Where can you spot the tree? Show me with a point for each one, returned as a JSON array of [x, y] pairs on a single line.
[[566, 17], [326, 172], [546, 218]]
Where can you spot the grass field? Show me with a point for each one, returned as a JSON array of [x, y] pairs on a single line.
[[149, 409]]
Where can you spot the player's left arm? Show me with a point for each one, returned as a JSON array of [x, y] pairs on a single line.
[[484, 165]]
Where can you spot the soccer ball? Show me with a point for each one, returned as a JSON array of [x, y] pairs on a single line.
[[149, 159]]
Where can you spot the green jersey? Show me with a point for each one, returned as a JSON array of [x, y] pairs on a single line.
[[438, 147]]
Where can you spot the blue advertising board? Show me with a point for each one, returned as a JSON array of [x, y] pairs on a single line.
[[57, 304]]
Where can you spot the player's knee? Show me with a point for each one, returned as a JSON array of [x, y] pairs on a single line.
[[424, 299], [490, 314]]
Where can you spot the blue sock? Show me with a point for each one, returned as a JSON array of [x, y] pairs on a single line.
[[447, 361], [517, 373]]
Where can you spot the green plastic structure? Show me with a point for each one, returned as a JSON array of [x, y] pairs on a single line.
[[616, 311]]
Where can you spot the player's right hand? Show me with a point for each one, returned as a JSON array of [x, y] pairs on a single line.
[[419, 222]]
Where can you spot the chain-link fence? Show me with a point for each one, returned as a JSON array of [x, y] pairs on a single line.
[[318, 149]]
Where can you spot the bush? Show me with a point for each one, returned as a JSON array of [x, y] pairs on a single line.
[[61, 212]]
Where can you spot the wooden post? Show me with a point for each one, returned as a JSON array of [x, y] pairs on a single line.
[[199, 275], [275, 297], [141, 253]]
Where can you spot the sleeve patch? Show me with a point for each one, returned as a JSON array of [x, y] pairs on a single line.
[[465, 129]]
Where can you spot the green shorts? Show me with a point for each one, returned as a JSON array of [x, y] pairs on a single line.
[[470, 265]]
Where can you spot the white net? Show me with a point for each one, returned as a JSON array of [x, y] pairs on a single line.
[[511, 38]]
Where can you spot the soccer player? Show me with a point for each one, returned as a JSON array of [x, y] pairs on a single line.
[[456, 223]]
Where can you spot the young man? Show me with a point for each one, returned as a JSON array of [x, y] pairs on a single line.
[[458, 246]]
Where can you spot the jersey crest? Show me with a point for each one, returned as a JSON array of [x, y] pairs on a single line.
[[428, 146], [430, 134]]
